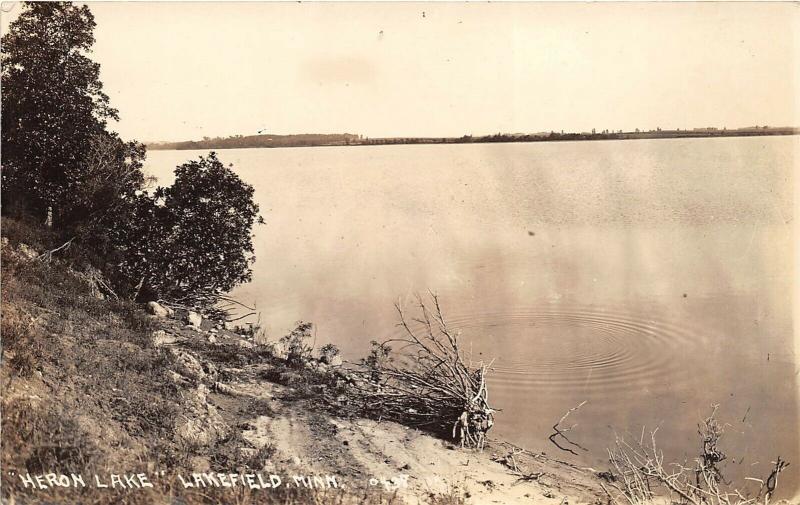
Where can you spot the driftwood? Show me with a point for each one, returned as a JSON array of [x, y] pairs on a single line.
[[639, 469], [213, 304], [560, 432], [427, 383], [514, 467]]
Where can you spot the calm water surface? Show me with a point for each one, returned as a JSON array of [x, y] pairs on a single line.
[[651, 277]]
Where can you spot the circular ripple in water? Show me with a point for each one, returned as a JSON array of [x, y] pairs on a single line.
[[587, 349]]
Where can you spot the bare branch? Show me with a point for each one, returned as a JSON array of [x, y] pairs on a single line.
[[637, 469], [48, 255], [559, 431], [426, 382]]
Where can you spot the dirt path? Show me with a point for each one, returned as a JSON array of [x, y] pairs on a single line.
[[363, 453]]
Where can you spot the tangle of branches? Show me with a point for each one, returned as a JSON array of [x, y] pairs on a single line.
[[427, 382], [639, 472]]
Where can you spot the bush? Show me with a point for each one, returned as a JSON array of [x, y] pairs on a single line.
[[296, 344], [327, 352], [192, 241], [377, 359], [24, 230]]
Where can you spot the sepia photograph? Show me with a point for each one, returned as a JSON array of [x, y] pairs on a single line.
[[438, 253]]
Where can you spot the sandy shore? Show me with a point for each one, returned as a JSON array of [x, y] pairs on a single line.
[[366, 453]]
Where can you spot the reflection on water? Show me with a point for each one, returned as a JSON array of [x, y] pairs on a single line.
[[651, 278]]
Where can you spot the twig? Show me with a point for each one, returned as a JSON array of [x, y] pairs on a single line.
[[638, 468], [560, 432], [48, 255]]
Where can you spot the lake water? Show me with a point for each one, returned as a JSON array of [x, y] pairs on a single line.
[[651, 278]]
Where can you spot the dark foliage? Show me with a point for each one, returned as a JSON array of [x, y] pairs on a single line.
[[192, 241], [208, 216], [189, 242], [53, 105]]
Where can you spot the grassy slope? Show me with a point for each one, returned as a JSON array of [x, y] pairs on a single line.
[[85, 391]]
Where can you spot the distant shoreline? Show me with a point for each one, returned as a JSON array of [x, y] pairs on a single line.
[[345, 139]]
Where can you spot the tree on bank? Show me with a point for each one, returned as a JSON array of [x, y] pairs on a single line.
[[53, 106], [191, 241]]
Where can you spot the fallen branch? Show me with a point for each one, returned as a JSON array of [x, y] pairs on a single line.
[[230, 302], [97, 278], [772, 480], [233, 320], [639, 469], [509, 460], [529, 477], [427, 383], [48, 255], [561, 432]]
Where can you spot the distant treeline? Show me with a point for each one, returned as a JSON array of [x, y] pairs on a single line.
[[342, 139], [267, 140], [594, 135]]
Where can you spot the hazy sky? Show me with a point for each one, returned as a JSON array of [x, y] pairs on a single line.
[[188, 70]]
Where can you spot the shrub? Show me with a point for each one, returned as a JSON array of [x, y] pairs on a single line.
[[377, 359], [192, 241], [327, 352], [296, 344], [24, 230]]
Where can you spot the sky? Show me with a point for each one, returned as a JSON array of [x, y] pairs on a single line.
[[186, 70]]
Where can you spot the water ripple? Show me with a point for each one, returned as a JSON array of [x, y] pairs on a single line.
[[587, 348]]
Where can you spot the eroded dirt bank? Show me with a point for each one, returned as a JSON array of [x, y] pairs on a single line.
[[301, 431], [95, 389]]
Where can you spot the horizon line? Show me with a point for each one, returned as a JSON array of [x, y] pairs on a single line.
[[593, 131]]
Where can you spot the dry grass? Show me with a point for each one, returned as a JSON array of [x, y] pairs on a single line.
[[84, 391]]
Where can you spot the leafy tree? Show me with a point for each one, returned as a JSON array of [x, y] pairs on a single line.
[[111, 179], [53, 106], [193, 241], [188, 242], [131, 246]]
